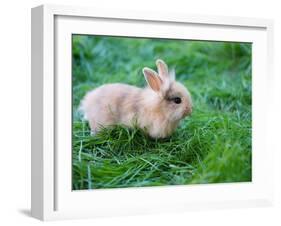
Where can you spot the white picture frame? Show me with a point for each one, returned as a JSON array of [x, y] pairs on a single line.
[[52, 197]]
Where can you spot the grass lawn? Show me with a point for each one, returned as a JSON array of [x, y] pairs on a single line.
[[211, 146]]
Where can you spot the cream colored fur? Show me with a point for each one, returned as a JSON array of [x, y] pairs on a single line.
[[146, 108]]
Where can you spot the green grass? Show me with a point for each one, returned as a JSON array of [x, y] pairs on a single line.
[[211, 146]]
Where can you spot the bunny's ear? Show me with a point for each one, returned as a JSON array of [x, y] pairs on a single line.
[[152, 79], [172, 74], [162, 69]]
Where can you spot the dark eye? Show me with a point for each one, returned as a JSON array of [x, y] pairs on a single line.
[[177, 100]]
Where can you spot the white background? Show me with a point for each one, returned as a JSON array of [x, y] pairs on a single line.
[[15, 112]]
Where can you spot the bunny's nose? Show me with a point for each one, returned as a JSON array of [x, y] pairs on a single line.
[[187, 111]]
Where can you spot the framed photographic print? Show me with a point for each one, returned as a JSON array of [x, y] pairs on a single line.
[[141, 112]]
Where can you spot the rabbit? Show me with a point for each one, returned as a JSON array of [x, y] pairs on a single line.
[[156, 109]]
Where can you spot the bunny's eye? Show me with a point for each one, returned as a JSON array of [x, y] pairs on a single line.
[[177, 100]]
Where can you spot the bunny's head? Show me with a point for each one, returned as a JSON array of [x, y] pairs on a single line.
[[174, 99]]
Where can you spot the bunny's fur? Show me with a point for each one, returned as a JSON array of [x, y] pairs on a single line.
[[148, 108]]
